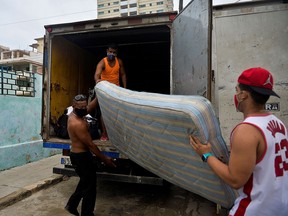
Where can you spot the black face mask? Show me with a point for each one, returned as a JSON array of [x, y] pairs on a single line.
[[80, 112]]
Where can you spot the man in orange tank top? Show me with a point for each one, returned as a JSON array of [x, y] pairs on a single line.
[[111, 69]]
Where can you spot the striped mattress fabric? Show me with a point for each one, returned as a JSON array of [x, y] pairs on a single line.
[[153, 131]]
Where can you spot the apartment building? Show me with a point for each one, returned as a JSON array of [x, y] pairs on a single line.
[[122, 8], [23, 60]]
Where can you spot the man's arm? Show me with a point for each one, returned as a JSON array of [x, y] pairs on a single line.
[[92, 105], [122, 73], [242, 158], [84, 136], [100, 67]]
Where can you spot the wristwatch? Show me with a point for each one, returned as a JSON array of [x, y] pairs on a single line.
[[205, 156]]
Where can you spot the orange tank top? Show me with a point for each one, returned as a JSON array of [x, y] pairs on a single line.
[[111, 74]]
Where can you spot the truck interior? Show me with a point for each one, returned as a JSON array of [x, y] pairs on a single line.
[[145, 53]]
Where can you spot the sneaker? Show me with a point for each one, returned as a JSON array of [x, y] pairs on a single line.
[[104, 138]]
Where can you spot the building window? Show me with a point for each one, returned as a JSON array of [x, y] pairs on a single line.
[[100, 5], [142, 6], [124, 14], [160, 11], [160, 3], [124, 6], [17, 83], [100, 12], [133, 13], [133, 5], [116, 3], [116, 10], [150, 4]]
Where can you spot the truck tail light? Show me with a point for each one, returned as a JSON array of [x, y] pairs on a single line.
[[172, 17], [49, 29]]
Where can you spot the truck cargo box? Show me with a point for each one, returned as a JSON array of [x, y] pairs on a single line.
[[166, 53]]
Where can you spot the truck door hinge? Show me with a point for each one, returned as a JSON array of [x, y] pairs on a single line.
[[213, 76]]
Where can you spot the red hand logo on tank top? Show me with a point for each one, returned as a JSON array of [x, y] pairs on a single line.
[[274, 127]]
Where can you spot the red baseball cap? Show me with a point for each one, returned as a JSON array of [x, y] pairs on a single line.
[[259, 79]]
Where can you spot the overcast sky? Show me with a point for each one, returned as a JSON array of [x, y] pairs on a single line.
[[21, 21]]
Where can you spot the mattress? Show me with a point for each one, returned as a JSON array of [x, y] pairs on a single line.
[[153, 131]]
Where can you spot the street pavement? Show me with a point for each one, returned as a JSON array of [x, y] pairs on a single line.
[[20, 182]]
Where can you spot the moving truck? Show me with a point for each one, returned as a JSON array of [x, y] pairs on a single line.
[[200, 51], [147, 45]]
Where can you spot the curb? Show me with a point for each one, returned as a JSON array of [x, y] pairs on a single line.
[[27, 191]]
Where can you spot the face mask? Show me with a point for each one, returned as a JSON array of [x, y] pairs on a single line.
[[110, 56], [236, 101], [80, 112]]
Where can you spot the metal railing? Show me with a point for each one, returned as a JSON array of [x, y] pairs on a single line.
[[16, 83]]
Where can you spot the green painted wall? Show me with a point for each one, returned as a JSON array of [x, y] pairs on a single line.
[[20, 127]]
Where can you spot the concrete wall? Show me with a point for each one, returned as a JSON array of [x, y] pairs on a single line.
[[244, 37], [20, 127]]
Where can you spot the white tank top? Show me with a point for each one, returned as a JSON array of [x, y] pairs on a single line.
[[266, 192]]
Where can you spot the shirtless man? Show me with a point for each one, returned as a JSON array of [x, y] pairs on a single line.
[[81, 155]]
